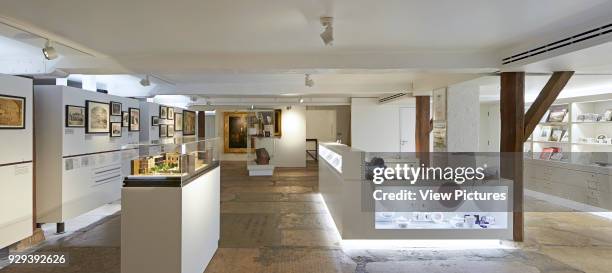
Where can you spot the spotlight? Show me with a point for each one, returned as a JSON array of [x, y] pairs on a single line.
[[328, 34], [308, 81], [145, 81], [301, 100], [49, 52]]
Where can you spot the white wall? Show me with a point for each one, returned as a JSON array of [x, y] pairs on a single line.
[[463, 111], [321, 124], [16, 168], [490, 126], [376, 127]]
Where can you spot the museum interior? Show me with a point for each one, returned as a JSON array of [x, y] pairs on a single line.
[[269, 136]]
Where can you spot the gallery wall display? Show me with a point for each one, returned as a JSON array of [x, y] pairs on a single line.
[[163, 130], [163, 112], [189, 123], [115, 129], [278, 124], [125, 119], [75, 116], [170, 113], [134, 119], [178, 122], [170, 130], [115, 108], [97, 119], [12, 112], [235, 133], [154, 121]]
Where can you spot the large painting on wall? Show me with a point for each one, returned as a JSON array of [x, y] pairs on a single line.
[[189, 123], [98, 117], [12, 112], [235, 132], [278, 123]]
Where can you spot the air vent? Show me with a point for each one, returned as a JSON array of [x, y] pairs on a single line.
[[391, 98], [579, 38]]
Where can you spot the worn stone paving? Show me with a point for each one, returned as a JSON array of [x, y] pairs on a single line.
[[278, 224]]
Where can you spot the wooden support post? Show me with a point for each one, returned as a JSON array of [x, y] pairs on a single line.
[[423, 124], [547, 96], [512, 107], [201, 124]]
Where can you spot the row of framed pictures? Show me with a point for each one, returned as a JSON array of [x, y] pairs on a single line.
[[182, 122], [95, 117]]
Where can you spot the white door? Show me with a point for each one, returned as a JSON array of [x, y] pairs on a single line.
[[407, 129]]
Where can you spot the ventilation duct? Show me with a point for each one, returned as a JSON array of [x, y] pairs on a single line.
[[391, 98]]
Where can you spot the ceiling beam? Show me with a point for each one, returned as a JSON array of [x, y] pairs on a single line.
[[547, 96]]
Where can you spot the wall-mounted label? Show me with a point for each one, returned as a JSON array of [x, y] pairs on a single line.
[[21, 170], [69, 131]]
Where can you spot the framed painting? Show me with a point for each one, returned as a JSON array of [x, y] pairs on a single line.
[[116, 129], [189, 123], [134, 119], [12, 112], [115, 108], [75, 116], [278, 125], [178, 122], [235, 133], [154, 121], [97, 119], [163, 112], [170, 130], [163, 130], [170, 113], [125, 119]]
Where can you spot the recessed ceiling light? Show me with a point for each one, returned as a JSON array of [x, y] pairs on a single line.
[[328, 33], [49, 51], [145, 81]]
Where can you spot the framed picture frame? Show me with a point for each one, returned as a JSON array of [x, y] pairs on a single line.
[[235, 132], [556, 134], [278, 122], [13, 114], [154, 121], [557, 113], [189, 123], [125, 119], [178, 122], [97, 117], [116, 129], [163, 130], [170, 113], [115, 108], [170, 130], [75, 116], [134, 119], [163, 112]]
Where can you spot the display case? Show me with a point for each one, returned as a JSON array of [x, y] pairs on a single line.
[[172, 164]]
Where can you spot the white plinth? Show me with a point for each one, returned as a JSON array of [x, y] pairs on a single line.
[[260, 170]]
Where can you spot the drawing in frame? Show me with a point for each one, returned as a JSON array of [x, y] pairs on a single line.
[[116, 129], [75, 116], [115, 108], [163, 112], [97, 117], [278, 125], [12, 112], [163, 130], [189, 123], [178, 122], [134, 119], [235, 134], [170, 130], [170, 113], [154, 121], [125, 119]]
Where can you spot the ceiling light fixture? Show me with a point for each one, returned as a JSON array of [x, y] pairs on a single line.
[[308, 81], [328, 34], [49, 51], [145, 81]]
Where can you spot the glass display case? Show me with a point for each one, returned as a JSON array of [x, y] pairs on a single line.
[[171, 163]]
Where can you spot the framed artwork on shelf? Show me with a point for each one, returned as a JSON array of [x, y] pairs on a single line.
[[154, 121], [12, 112], [235, 125], [75, 116], [115, 108], [267, 117], [178, 122], [557, 113], [134, 119], [278, 122], [545, 133], [97, 118], [556, 134], [163, 130], [116, 129], [607, 116], [189, 123], [170, 113], [163, 112], [125, 119], [170, 130]]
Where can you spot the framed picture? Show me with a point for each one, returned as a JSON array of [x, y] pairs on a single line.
[[12, 112], [134, 119], [278, 122], [115, 108], [557, 134], [170, 113], [607, 116], [545, 133], [75, 116], [178, 122], [170, 130], [97, 118], [125, 119], [163, 130], [557, 113], [235, 135], [267, 117], [163, 112], [189, 123], [439, 104], [154, 121], [116, 129]]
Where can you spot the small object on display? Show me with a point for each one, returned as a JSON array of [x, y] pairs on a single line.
[[263, 158], [557, 113]]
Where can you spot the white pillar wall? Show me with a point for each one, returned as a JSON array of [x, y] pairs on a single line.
[[463, 112]]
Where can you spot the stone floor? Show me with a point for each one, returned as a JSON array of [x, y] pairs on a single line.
[[279, 224]]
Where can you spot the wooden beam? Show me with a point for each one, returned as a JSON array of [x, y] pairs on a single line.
[[201, 124], [422, 124], [512, 107], [547, 96]]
